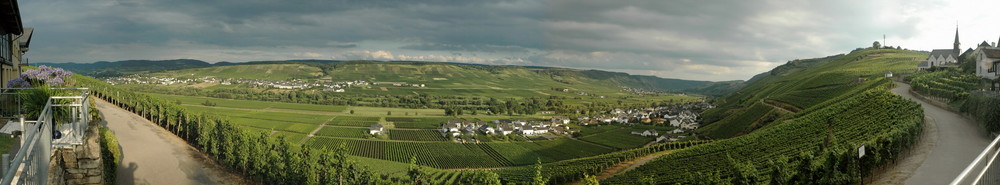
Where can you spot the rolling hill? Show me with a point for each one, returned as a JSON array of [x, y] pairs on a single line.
[[802, 85], [800, 123], [438, 74]]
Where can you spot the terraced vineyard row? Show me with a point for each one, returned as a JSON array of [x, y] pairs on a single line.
[[464, 155], [946, 84], [438, 155], [354, 121], [417, 123], [348, 132], [562, 172], [885, 123], [621, 138], [416, 135]]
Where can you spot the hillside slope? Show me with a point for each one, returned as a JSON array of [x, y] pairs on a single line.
[[802, 85], [811, 114]]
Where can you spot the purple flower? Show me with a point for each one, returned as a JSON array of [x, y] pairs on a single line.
[[44, 74]]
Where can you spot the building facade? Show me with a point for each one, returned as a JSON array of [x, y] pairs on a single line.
[[11, 30]]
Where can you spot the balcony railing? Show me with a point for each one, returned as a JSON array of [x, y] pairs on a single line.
[[984, 170], [31, 163]]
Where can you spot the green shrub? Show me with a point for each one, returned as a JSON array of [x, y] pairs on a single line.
[[110, 154]]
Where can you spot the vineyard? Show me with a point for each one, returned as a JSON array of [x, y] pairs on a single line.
[[354, 121], [438, 155], [750, 115], [949, 84], [417, 123], [463, 155], [562, 172], [887, 124], [804, 84], [621, 138], [347, 132], [416, 135]]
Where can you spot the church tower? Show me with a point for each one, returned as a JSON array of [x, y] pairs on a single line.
[[957, 49]]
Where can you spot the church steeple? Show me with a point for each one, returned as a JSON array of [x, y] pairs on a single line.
[[957, 48]]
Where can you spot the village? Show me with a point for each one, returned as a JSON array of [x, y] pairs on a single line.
[[682, 118], [256, 83]]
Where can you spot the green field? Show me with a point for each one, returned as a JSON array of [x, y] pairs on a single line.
[[354, 121], [462, 155], [249, 104]]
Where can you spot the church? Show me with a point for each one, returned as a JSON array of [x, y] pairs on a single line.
[[942, 57]]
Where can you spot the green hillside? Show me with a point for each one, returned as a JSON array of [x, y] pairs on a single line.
[[802, 85], [263, 72], [828, 107]]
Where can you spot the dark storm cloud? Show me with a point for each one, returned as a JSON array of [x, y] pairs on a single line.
[[665, 38]]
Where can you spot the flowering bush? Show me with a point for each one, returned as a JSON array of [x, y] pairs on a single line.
[[41, 82], [46, 75]]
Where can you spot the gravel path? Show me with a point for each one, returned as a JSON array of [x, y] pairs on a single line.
[[152, 155], [954, 142]]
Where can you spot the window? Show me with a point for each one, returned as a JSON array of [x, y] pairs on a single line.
[[5, 52]]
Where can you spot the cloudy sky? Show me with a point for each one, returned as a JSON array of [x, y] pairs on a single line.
[[690, 39]]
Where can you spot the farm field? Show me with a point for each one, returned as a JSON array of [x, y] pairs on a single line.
[[407, 134], [462, 155]]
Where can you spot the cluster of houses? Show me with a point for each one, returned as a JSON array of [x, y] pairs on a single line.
[[279, 84], [987, 60], [458, 127], [681, 116], [637, 91]]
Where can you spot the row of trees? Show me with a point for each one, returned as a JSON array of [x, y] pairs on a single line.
[[254, 154]]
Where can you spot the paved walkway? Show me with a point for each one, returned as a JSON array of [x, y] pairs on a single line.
[[958, 141], [152, 155]]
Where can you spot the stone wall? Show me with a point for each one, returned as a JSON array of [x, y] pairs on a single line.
[[80, 164]]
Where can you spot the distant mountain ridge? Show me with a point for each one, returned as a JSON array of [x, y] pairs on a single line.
[[118, 68]]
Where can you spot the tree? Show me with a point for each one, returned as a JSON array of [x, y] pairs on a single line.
[[876, 45], [352, 111], [388, 113]]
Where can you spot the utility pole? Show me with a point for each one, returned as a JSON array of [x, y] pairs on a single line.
[[883, 41]]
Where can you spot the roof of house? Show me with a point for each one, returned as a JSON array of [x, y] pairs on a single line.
[[984, 44], [376, 127], [923, 64], [25, 39], [10, 18], [942, 52], [992, 53]]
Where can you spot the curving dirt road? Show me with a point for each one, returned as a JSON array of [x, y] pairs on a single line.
[[152, 155], [956, 143]]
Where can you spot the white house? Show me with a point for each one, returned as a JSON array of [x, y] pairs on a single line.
[[677, 131], [986, 63], [375, 129], [527, 130], [504, 129], [649, 132]]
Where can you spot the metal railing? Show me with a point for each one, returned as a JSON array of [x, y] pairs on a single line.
[[983, 170], [31, 163]]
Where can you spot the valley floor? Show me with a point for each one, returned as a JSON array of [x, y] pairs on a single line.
[[956, 140], [152, 155]]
